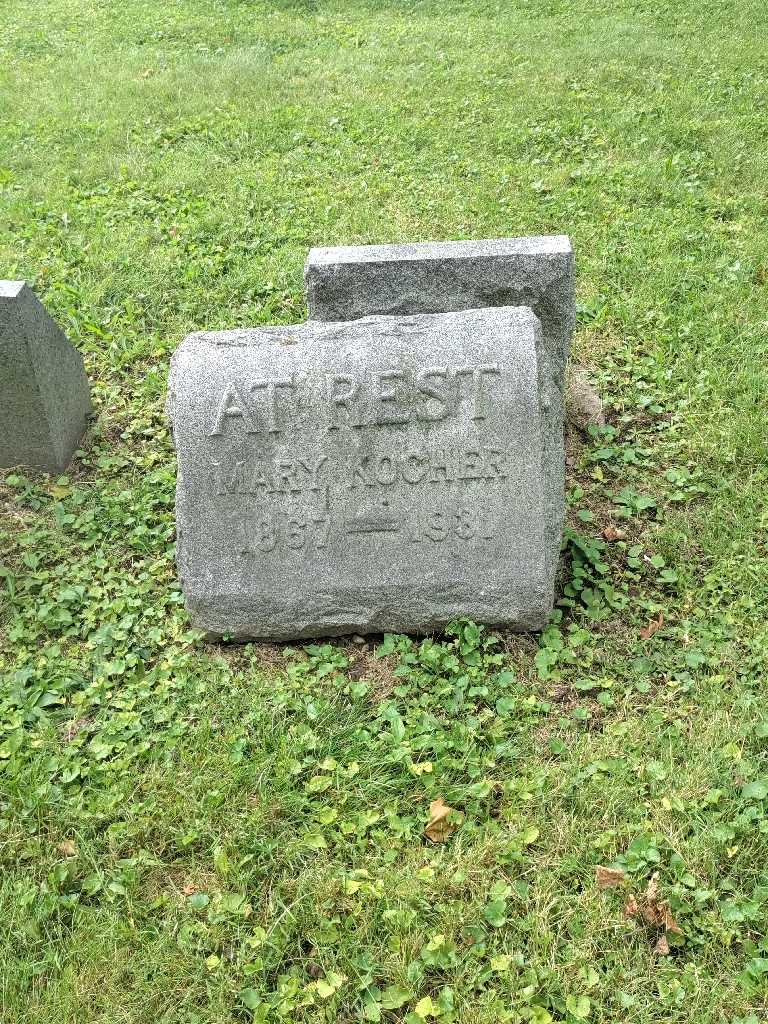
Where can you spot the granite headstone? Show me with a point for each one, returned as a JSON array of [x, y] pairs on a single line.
[[381, 474], [44, 395]]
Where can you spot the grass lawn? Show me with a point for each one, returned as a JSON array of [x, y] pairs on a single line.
[[192, 834]]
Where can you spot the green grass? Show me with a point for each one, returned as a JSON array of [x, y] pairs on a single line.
[[194, 834]]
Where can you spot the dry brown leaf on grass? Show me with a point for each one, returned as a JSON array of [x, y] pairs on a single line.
[[653, 627], [608, 878], [654, 912], [670, 924], [652, 890], [439, 829], [630, 907]]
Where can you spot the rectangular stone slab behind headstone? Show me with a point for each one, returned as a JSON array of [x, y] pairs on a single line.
[[44, 395], [350, 281], [347, 282], [384, 474]]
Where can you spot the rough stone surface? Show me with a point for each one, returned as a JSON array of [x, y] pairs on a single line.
[[383, 474], [584, 407], [347, 282], [44, 395]]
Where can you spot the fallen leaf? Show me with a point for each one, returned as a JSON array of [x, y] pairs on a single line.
[[67, 848], [652, 892], [610, 533], [608, 878], [670, 924], [653, 627], [654, 911], [438, 829]]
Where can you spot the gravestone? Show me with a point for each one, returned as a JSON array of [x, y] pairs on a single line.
[[44, 395], [347, 282], [381, 474]]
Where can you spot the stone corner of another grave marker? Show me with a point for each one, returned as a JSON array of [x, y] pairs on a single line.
[[44, 394]]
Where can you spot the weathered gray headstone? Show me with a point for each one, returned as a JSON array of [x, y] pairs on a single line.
[[383, 474], [44, 396], [347, 282]]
